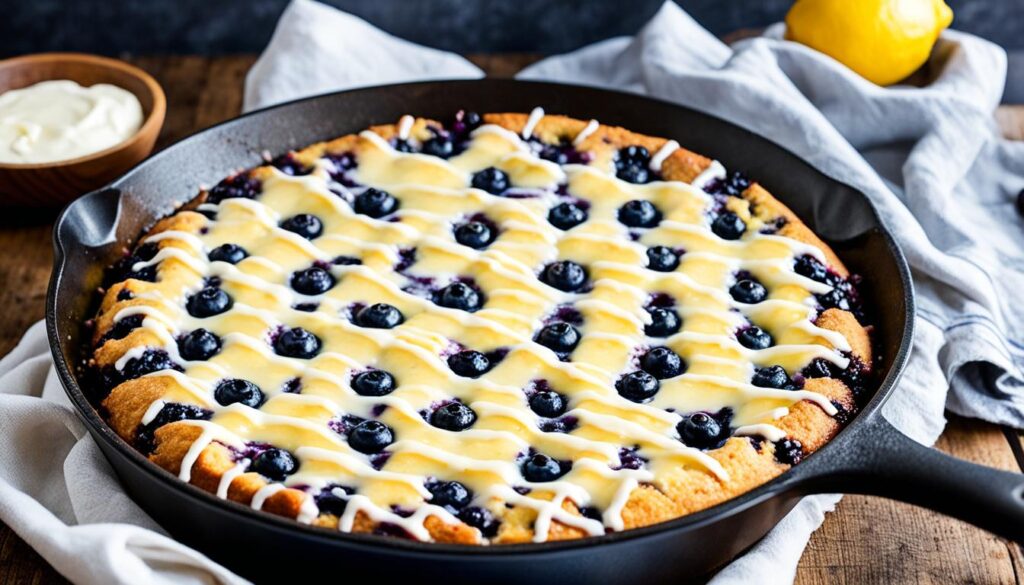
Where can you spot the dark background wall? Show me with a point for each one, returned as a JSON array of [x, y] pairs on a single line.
[[231, 26]]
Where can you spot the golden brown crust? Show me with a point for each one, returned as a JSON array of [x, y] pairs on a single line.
[[768, 209], [844, 323], [748, 463], [128, 402]]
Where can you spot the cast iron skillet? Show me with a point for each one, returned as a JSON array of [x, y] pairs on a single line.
[[869, 456]]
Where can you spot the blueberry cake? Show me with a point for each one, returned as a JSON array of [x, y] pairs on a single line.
[[497, 329]]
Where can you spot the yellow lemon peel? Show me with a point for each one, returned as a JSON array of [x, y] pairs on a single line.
[[882, 40]]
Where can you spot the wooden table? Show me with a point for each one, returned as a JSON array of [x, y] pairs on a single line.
[[866, 540]]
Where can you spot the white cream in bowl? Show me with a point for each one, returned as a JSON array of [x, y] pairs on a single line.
[[59, 120]]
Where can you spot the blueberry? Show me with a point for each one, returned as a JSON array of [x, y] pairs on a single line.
[[837, 298], [208, 302], [662, 363], [548, 404], [632, 164], [633, 173], [469, 363], [152, 360], [145, 252], [459, 295], [232, 390], [274, 464], [297, 343], [198, 345], [634, 153], [639, 213], [146, 274], [346, 261], [770, 377], [241, 185], [556, 153], [454, 416], [748, 291], [810, 267], [567, 215], [370, 436], [701, 431], [438, 146], [638, 386], [558, 425], [728, 226], [379, 316], [664, 322], [341, 162], [789, 451], [403, 145], [375, 203], [492, 180], [451, 495], [480, 519], [305, 225], [541, 468], [230, 253], [733, 185], [312, 281], [754, 337], [289, 165], [122, 269], [466, 122], [373, 383], [559, 337], [662, 259], [565, 275], [474, 234], [330, 503], [819, 368], [125, 326], [406, 258], [171, 412]]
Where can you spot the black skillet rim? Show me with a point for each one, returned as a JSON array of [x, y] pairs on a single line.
[[780, 484]]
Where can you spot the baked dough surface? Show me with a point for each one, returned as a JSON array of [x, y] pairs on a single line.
[[679, 484]]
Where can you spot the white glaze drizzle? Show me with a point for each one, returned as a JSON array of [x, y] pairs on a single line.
[[412, 524], [663, 153], [612, 515], [536, 115], [229, 476], [589, 129], [151, 412], [308, 510], [770, 432], [405, 126], [262, 494], [715, 171], [192, 455]]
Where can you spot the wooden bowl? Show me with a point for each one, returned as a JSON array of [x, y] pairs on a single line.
[[54, 184]]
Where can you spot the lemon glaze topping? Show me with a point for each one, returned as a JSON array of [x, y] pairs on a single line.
[[435, 195]]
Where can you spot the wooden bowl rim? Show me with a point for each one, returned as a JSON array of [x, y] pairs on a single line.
[[150, 126]]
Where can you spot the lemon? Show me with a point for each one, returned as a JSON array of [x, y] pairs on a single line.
[[882, 40]]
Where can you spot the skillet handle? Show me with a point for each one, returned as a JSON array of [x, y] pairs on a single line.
[[881, 461]]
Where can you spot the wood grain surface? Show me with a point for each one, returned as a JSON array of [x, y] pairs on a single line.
[[864, 541]]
